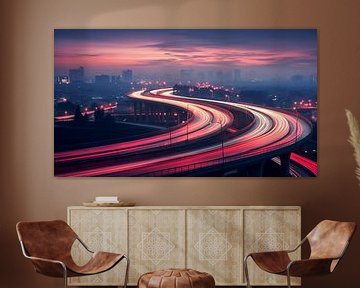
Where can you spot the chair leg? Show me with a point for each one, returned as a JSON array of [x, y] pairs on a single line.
[[65, 276], [288, 278], [246, 270], [126, 271]]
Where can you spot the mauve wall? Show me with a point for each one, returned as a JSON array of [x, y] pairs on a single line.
[[30, 192]]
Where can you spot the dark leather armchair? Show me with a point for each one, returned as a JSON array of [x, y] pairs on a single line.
[[328, 242], [48, 245]]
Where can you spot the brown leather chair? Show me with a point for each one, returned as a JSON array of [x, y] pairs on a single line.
[[328, 242], [48, 245]]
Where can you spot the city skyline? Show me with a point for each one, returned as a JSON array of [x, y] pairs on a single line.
[[264, 54]]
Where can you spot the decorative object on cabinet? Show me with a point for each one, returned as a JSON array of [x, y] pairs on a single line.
[[204, 238], [328, 242], [109, 204], [176, 278], [48, 245]]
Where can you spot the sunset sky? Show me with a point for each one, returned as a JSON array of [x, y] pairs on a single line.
[[267, 52]]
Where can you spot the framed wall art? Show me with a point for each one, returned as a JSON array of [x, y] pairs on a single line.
[[185, 102]]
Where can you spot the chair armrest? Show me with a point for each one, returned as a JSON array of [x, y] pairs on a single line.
[[268, 253], [45, 260], [84, 245], [309, 267], [48, 267], [280, 251], [298, 246]]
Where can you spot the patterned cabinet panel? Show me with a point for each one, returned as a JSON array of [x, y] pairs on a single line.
[[269, 230], [214, 244], [209, 239], [101, 230], [156, 240]]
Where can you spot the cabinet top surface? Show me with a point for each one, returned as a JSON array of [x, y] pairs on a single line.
[[192, 207]]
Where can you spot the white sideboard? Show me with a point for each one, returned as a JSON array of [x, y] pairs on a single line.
[[211, 239]]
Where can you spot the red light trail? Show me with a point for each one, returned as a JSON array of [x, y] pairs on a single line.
[[272, 131], [202, 124]]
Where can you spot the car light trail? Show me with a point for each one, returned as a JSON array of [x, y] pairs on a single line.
[[305, 162], [294, 169], [272, 131], [201, 125]]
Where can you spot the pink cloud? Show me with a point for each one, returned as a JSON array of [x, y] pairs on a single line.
[[123, 54]]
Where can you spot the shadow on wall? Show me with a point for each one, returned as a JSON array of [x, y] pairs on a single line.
[[167, 14]]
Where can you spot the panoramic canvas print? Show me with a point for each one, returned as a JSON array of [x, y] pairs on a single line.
[[185, 102]]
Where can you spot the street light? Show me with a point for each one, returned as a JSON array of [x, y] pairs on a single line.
[[296, 125], [187, 123], [222, 141], [169, 136]]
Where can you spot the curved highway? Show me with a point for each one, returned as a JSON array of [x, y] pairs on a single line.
[[202, 124], [272, 131]]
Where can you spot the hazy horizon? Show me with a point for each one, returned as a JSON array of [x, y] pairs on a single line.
[[260, 53]]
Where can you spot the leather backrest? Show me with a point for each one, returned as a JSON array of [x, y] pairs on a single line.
[[329, 239], [46, 239]]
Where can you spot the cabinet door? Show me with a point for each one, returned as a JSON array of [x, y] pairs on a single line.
[[101, 230], [270, 230], [214, 244], [156, 240]]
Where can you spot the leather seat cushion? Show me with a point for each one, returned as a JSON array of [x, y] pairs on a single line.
[[176, 278]]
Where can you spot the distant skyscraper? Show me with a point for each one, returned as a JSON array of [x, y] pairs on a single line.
[[127, 75], [237, 76], [186, 75], [201, 76], [115, 80], [169, 77], [102, 79], [64, 79], [210, 75], [228, 77], [77, 75], [313, 79], [220, 76]]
